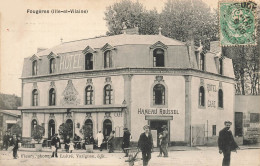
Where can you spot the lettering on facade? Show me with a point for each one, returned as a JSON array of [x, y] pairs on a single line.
[[212, 91], [68, 62], [157, 111], [118, 114]]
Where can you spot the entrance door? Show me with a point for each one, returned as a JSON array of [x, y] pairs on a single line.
[[51, 129], [157, 125], [238, 123], [107, 128]]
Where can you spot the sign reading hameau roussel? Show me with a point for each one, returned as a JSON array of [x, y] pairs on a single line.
[[156, 111]]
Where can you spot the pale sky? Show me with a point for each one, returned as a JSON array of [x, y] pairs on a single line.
[[22, 33]]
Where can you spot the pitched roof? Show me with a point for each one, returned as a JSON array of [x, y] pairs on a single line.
[[12, 112], [116, 40]]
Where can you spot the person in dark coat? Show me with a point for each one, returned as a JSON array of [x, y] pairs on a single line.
[[14, 142], [6, 140], [126, 141], [145, 144], [110, 141], [67, 142], [165, 141], [226, 143], [55, 144]]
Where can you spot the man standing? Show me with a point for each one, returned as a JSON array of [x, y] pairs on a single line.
[[6, 140], [165, 141], [110, 141], [55, 144], [226, 143], [126, 141], [145, 143], [14, 143], [100, 139]]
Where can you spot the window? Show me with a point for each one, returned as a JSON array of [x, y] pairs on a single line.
[[51, 129], [158, 58], [108, 94], [107, 127], [202, 61], [220, 66], [214, 127], [201, 96], [69, 125], [34, 68], [52, 96], [33, 125], [89, 126], [108, 59], [254, 118], [220, 98], [89, 95], [89, 61], [52, 65], [159, 94], [35, 97]]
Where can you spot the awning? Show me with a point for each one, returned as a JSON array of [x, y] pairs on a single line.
[[11, 121]]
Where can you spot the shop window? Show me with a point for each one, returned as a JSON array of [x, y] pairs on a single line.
[[214, 130], [220, 98], [34, 68], [158, 58], [51, 129], [201, 96], [221, 66], [159, 94], [89, 126], [52, 97], [89, 95], [35, 97], [108, 59], [108, 94], [107, 127], [254, 118], [33, 125], [52, 65], [89, 61], [202, 61]]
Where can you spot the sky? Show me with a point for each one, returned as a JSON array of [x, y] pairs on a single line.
[[22, 32]]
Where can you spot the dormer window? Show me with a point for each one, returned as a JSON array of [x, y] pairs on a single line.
[[108, 59], [52, 65], [34, 68], [202, 62], [158, 58], [89, 61]]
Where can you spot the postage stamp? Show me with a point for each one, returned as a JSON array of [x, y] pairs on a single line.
[[237, 21]]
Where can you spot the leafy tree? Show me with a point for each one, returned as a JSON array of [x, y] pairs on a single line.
[[66, 129], [9, 101], [38, 133], [16, 129], [86, 130]]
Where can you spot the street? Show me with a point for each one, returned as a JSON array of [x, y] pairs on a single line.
[[206, 156]]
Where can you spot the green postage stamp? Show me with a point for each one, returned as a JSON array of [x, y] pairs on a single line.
[[237, 22]]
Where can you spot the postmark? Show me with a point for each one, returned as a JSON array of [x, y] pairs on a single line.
[[237, 21]]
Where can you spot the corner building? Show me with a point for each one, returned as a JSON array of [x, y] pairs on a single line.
[[129, 80]]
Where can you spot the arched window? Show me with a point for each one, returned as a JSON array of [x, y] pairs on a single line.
[[158, 58], [34, 68], [159, 94], [221, 66], [89, 126], [69, 124], [33, 125], [108, 93], [52, 65], [89, 95], [51, 129], [220, 98], [108, 59], [52, 97], [202, 61], [89, 61], [107, 127], [35, 97], [201, 96]]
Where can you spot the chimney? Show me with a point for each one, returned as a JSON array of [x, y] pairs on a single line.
[[40, 49]]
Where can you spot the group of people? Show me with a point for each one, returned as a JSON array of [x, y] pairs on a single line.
[[11, 142]]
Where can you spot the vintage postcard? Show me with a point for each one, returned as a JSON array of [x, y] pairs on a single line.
[[129, 82]]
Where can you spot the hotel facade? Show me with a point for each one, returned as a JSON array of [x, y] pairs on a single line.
[[129, 80]]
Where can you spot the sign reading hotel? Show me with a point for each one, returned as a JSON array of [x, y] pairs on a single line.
[[70, 62], [157, 111]]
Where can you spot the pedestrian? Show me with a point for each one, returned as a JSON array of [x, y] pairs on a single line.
[[226, 143], [71, 146], [6, 140], [100, 139], [126, 141], [14, 143], [165, 141], [55, 144], [145, 144], [67, 142], [160, 144], [110, 141]]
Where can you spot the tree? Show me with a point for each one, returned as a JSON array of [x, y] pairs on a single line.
[[38, 133], [16, 129], [66, 129], [86, 130]]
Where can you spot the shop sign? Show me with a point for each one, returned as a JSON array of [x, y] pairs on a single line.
[[157, 111]]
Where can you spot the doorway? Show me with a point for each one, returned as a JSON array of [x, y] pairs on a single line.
[[51, 129], [239, 124], [107, 128], [157, 125]]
